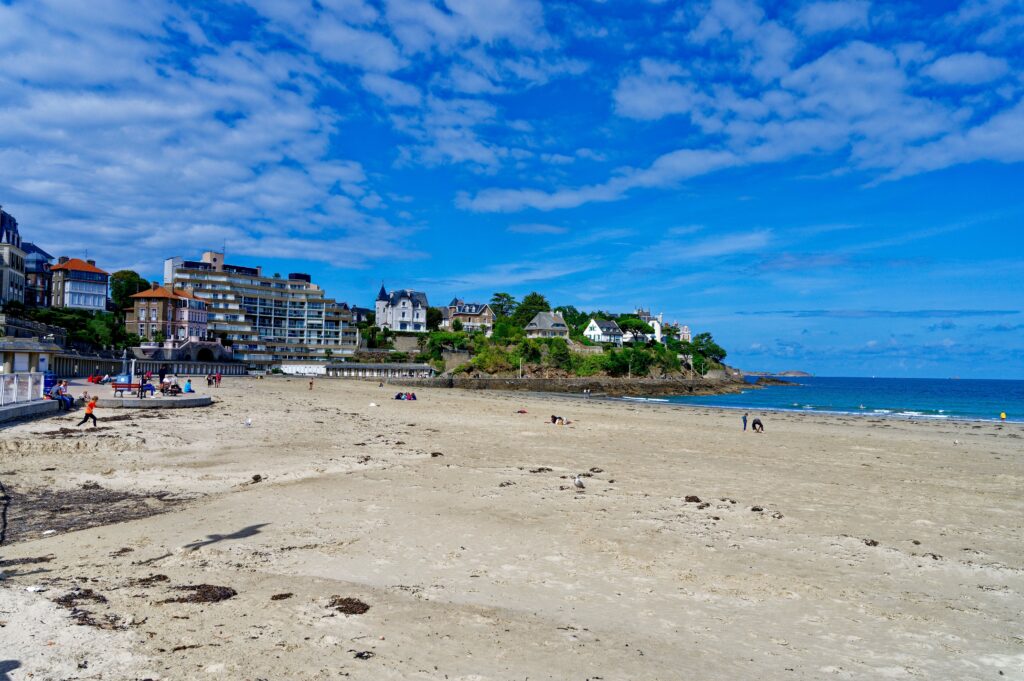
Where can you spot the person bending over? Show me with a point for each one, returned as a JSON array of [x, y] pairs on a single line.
[[757, 426]]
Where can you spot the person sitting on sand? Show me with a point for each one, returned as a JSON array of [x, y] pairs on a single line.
[[399, 396], [410, 396], [173, 389], [188, 386], [88, 412], [757, 426]]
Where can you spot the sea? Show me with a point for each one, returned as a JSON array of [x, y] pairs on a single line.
[[919, 398]]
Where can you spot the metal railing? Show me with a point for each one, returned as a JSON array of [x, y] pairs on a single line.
[[20, 387]]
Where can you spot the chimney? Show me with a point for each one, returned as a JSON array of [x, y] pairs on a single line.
[[62, 259], [91, 262], [154, 284]]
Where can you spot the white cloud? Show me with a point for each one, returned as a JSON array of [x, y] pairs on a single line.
[[170, 155], [654, 92], [823, 17], [536, 229], [341, 43], [392, 91], [967, 68]]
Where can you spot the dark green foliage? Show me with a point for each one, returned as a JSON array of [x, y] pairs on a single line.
[[636, 326], [505, 331], [456, 325], [123, 285], [532, 304], [558, 354], [503, 304], [97, 330], [434, 316]]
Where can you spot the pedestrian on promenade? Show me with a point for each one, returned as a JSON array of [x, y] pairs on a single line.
[[744, 422], [89, 407]]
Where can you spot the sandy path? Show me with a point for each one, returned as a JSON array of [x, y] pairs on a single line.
[[474, 567]]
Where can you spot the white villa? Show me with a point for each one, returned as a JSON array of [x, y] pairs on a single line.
[[603, 331], [402, 310]]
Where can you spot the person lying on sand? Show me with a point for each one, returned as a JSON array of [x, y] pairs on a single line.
[[559, 420], [520, 411]]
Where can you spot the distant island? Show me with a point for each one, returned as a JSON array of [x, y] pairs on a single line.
[[790, 374]]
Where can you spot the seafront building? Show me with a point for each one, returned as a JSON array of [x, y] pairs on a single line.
[[79, 284], [38, 278], [547, 325], [12, 261], [402, 310], [162, 314], [603, 331], [266, 320], [472, 316]]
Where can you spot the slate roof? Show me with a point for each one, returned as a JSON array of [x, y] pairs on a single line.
[[608, 327], [418, 298], [462, 307], [547, 321], [31, 248]]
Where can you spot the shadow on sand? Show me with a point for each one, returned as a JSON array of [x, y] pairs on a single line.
[[243, 533]]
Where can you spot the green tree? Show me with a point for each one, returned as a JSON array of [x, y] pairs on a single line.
[[434, 317], [526, 310], [559, 355], [635, 326], [505, 331], [704, 344], [123, 285], [503, 304], [573, 317], [456, 325]]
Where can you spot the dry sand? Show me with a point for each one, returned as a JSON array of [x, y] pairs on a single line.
[[884, 548]]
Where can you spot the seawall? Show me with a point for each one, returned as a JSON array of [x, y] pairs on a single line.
[[615, 387]]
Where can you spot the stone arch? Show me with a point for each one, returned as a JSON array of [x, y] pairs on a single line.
[[204, 355]]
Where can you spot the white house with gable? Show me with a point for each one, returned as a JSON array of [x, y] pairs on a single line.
[[402, 310], [603, 331]]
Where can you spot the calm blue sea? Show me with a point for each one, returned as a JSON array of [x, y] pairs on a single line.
[[907, 397]]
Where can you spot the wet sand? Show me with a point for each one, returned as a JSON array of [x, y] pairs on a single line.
[[443, 538]]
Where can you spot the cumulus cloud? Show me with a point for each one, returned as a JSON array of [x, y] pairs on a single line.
[[823, 17], [967, 68]]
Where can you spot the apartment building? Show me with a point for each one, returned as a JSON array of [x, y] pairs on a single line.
[[79, 284], [266, 319], [38, 278], [12, 261]]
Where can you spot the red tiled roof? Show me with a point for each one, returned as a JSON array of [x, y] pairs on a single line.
[[161, 292], [79, 265]]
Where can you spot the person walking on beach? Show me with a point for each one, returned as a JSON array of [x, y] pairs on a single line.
[[89, 407], [744, 422], [310, 382], [216, 379]]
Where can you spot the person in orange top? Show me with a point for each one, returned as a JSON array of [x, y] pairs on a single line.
[[88, 412]]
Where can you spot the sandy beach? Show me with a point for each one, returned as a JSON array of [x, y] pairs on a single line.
[[443, 539]]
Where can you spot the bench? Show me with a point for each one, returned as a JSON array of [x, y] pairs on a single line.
[[122, 387]]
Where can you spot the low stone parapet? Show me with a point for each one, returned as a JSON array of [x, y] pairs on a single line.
[[180, 402]]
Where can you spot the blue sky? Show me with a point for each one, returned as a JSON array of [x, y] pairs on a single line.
[[832, 186]]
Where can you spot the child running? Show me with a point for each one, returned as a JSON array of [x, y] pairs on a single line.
[[88, 412]]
